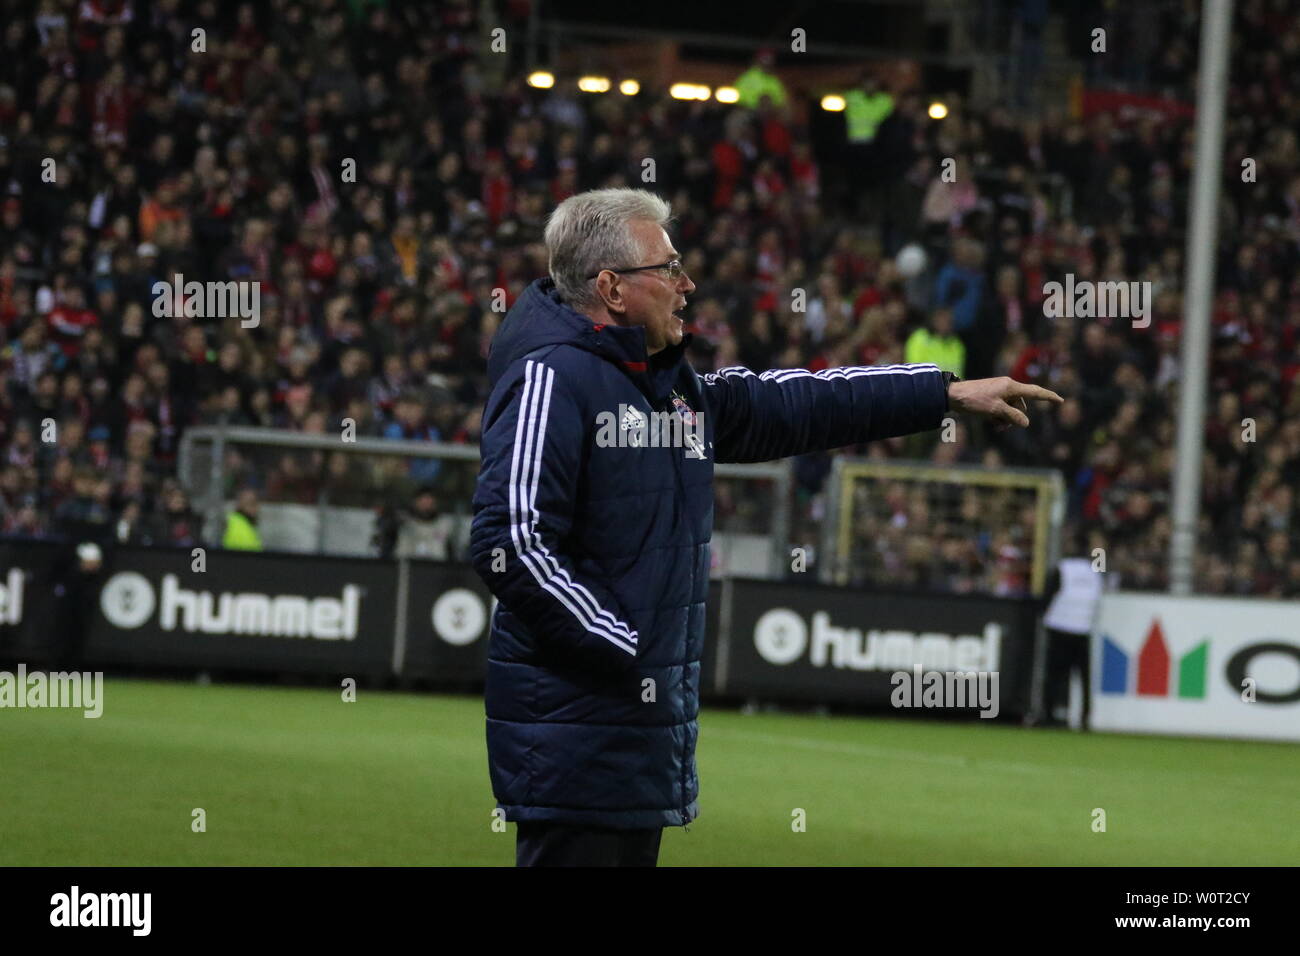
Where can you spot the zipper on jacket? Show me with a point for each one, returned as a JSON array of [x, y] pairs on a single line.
[[688, 520]]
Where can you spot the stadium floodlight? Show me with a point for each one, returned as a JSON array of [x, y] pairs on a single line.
[[541, 79], [727, 94], [689, 91], [594, 84], [629, 87], [833, 103], [938, 110]]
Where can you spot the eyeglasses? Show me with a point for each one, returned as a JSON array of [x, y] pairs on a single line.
[[674, 267]]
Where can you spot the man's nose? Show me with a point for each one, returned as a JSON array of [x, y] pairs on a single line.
[[690, 286]]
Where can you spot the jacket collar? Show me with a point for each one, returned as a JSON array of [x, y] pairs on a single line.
[[653, 375], [540, 318]]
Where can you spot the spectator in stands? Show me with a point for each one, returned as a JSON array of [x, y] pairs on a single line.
[[387, 284], [960, 287], [410, 423], [759, 82], [866, 106], [241, 524], [937, 344], [426, 532]]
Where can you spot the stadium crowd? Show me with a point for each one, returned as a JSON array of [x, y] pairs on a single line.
[[379, 295]]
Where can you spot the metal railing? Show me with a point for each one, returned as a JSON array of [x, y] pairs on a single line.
[[204, 471]]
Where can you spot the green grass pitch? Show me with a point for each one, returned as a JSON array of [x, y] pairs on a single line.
[[291, 776]]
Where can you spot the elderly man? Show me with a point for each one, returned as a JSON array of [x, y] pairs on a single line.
[[595, 537]]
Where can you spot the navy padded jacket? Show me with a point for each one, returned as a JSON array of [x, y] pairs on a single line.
[[599, 555]]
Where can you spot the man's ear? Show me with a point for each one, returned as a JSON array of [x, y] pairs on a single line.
[[610, 293]]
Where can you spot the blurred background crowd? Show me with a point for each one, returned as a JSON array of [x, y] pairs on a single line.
[[379, 301]]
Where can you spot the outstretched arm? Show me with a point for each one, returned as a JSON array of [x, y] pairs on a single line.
[[760, 417]]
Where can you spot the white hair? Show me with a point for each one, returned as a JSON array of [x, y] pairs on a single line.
[[589, 232]]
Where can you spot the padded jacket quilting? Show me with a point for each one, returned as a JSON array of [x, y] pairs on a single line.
[[595, 542]]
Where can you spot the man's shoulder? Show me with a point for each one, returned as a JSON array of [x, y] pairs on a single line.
[[570, 363]]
